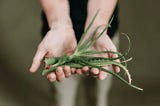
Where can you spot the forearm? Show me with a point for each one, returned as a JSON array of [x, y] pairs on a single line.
[[106, 8], [57, 12]]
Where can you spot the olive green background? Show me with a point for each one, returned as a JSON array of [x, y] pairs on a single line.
[[20, 34]]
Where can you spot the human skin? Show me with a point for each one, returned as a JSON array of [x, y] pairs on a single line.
[[106, 8], [55, 44]]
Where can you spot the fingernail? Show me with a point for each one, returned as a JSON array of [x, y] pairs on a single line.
[[31, 70], [95, 71], [79, 71], [117, 69], [86, 68], [103, 76], [52, 77], [60, 71], [73, 70]]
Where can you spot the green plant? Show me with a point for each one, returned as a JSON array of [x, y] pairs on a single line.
[[83, 56]]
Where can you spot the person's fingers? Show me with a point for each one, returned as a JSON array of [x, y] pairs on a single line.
[[85, 70], [115, 67], [67, 71], [79, 71], [102, 75], [60, 74], [51, 77], [37, 60], [94, 71], [73, 70]]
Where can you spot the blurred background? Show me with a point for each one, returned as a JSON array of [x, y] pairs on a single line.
[[20, 26]]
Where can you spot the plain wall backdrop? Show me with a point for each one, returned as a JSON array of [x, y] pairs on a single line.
[[20, 34]]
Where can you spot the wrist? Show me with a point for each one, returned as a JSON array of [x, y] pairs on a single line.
[[61, 23], [95, 26]]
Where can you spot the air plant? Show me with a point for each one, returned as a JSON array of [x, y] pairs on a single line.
[[83, 56]]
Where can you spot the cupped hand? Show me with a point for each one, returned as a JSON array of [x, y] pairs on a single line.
[[104, 43], [57, 42]]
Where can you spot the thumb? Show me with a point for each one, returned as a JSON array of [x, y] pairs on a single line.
[[37, 60]]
